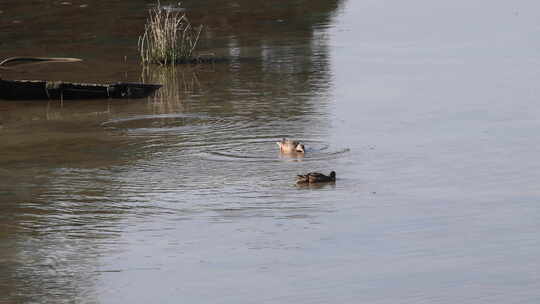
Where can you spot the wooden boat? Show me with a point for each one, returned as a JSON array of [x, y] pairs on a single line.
[[41, 89]]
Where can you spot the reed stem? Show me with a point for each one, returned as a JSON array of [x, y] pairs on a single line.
[[168, 38]]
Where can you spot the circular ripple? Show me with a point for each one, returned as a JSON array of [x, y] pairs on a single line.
[[179, 131], [216, 138], [170, 123], [267, 151]]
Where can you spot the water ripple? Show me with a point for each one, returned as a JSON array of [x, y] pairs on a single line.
[[266, 150], [174, 124]]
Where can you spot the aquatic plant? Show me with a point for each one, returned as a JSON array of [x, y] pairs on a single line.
[[169, 37]]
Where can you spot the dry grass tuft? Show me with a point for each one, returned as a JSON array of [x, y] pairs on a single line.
[[168, 38]]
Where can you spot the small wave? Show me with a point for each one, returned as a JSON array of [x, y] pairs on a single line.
[[192, 127], [267, 151]]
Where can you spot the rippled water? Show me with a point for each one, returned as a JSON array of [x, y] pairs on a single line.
[[427, 112]]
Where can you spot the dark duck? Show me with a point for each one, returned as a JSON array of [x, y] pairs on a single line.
[[316, 177]]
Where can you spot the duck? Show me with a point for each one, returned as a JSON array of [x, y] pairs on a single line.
[[315, 177], [290, 146]]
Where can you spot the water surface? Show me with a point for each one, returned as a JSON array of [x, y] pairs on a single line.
[[427, 112]]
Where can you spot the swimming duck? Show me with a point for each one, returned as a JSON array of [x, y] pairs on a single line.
[[289, 146], [316, 177]]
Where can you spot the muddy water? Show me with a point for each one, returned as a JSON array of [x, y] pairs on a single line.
[[427, 112]]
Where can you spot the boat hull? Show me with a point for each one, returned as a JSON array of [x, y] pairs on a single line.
[[40, 89]]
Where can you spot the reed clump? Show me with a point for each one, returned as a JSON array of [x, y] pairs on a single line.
[[169, 37]]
